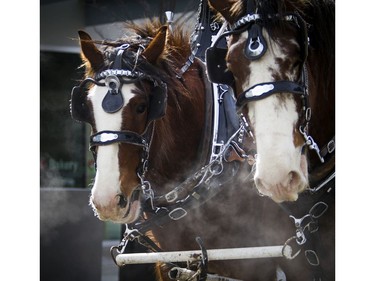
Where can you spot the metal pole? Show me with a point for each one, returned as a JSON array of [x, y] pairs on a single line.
[[216, 254]]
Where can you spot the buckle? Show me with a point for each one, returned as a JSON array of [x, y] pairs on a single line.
[[177, 213], [318, 209], [171, 196], [312, 257], [331, 146]]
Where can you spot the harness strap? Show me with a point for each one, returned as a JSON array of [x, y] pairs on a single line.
[[328, 148], [109, 137], [263, 90], [205, 28], [205, 190]]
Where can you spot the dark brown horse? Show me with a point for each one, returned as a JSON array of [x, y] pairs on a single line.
[[148, 136], [280, 62]]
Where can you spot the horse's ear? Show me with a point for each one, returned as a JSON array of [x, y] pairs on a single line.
[[156, 47], [89, 52], [226, 8]]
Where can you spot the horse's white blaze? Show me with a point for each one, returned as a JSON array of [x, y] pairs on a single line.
[[278, 162], [276, 154], [107, 178]]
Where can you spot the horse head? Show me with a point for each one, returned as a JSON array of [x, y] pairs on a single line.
[[122, 104], [276, 85], [133, 115]]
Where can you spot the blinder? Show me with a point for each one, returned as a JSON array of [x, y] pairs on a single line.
[[217, 69], [79, 109], [157, 103]]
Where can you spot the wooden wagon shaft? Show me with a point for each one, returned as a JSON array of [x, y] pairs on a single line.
[[216, 254]]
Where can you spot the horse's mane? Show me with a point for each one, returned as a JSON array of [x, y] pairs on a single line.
[[175, 54], [320, 15], [239, 7], [178, 40]]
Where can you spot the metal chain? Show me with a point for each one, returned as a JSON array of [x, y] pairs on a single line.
[[307, 222]]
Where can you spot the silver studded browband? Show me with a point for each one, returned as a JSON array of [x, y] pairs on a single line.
[[118, 72], [253, 17]]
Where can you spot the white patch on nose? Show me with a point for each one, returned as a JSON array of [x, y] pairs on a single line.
[[277, 156], [107, 178]]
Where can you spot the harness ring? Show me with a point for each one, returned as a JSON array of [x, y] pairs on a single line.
[[286, 254]]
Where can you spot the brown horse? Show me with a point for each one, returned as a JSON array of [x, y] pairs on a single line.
[[280, 62], [148, 136]]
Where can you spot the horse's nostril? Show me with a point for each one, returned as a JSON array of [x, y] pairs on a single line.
[[294, 180], [122, 202]]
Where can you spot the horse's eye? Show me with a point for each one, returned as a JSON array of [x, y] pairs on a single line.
[[141, 108]]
